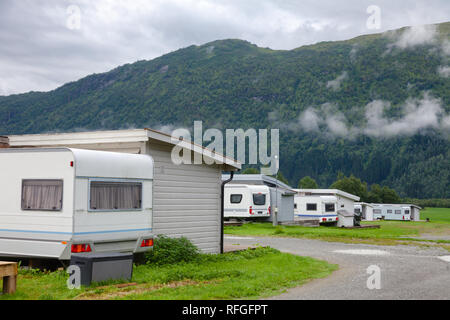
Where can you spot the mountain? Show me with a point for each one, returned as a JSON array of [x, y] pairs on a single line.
[[374, 106]]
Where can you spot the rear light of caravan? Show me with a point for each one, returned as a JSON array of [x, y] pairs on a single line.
[[147, 243], [81, 248], [270, 210], [250, 210], [337, 218], [324, 219]]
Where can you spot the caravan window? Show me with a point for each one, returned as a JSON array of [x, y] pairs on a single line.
[[398, 211], [406, 211], [389, 211], [329, 207], [377, 211], [45, 195], [311, 206], [106, 195], [259, 199], [236, 198]]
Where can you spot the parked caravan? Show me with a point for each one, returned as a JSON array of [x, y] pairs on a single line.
[[365, 210], [281, 195], [322, 208], [55, 202], [247, 201], [392, 212], [322, 204]]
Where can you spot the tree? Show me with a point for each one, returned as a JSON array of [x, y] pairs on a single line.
[[307, 183], [251, 171], [351, 185], [282, 178], [380, 194]]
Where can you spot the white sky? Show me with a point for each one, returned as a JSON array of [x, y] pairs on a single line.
[[43, 48]]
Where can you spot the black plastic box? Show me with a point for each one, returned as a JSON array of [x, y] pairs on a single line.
[[97, 267]]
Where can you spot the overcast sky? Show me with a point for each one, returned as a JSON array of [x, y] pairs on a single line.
[[45, 44]]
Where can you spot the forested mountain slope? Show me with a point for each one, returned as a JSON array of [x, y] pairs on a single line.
[[376, 106]]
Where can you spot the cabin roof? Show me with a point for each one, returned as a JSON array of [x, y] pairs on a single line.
[[115, 136]]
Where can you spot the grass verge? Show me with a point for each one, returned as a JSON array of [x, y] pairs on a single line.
[[249, 274]]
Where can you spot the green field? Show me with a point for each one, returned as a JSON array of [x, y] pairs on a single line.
[[247, 274], [390, 232], [436, 214]]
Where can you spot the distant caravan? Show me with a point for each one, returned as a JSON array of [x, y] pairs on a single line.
[[322, 204], [247, 201]]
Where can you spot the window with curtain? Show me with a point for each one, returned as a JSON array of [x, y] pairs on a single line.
[[45, 195], [107, 195]]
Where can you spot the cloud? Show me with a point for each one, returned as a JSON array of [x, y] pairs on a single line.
[[415, 115], [415, 36], [444, 71], [336, 83], [39, 52]]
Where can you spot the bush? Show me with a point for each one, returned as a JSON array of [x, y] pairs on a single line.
[[171, 251]]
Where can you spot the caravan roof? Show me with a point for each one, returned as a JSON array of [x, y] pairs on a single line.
[[90, 163], [325, 192]]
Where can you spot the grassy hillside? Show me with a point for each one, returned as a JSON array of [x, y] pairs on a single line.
[[235, 84]]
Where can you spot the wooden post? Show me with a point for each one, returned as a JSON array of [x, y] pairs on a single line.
[[8, 271]]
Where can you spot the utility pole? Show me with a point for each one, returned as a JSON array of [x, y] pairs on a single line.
[[275, 211]]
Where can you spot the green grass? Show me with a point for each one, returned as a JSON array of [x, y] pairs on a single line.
[[248, 274], [436, 214], [391, 232]]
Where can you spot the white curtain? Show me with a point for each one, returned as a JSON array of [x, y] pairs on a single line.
[[42, 195], [115, 195]]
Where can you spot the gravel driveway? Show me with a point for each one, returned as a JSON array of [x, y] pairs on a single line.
[[407, 272]]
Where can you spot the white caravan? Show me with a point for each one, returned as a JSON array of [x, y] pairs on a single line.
[[322, 204], [55, 202], [247, 201], [392, 212]]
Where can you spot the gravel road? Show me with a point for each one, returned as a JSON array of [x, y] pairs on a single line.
[[407, 272]]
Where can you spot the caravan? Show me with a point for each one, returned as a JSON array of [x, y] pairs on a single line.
[[392, 212], [323, 204], [247, 201], [55, 202], [323, 208]]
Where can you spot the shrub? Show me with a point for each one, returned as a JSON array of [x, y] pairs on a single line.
[[171, 251]]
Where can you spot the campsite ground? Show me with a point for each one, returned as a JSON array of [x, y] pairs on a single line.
[[261, 272], [416, 269], [419, 233], [406, 272]]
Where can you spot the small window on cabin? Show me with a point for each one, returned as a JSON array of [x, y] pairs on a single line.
[[398, 211], [109, 196], [329, 207], [42, 195], [236, 198], [259, 199], [311, 206]]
